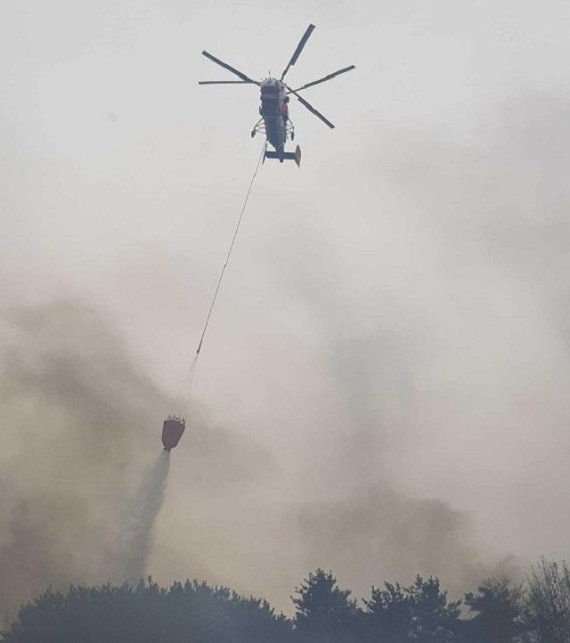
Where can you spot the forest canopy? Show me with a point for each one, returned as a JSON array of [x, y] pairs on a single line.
[[497, 611]]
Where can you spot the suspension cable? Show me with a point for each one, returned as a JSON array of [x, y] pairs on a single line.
[[192, 369]]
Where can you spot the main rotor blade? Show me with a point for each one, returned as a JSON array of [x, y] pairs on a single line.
[[325, 78], [225, 82], [311, 108], [239, 74], [299, 49]]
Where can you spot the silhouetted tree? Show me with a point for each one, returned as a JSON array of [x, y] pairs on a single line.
[[388, 614], [323, 611], [189, 613], [499, 611], [195, 612], [419, 612], [434, 618], [549, 601]]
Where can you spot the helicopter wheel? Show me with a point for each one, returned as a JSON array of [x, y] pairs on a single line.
[[292, 136], [252, 133]]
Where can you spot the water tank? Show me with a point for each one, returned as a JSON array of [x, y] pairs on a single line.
[[172, 430]]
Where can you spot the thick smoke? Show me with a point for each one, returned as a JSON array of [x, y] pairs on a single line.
[[437, 292], [78, 421], [83, 471], [385, 535], [428, 367]]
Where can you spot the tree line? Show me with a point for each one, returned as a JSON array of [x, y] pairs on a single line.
[[498, 611]]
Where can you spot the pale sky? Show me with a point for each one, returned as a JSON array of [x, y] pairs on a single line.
[[395, 317]]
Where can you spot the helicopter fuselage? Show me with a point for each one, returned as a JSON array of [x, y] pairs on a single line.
[[274, 110]]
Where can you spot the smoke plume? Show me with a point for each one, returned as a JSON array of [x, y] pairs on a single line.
[[83, 473], [77, 422], [405, 414]]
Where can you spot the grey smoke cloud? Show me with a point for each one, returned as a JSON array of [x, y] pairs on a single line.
[[84, 481], [77, 418], [440, 374], [81, 488], [385, 535]]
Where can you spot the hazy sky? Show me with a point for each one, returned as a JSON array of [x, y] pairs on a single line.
[[384, 385]]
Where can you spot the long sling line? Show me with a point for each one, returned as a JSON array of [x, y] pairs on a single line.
[[221, 277]]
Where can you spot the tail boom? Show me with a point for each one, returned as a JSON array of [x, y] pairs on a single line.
[[285, 156]]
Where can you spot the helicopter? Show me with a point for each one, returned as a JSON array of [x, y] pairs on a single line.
[[275, 123]]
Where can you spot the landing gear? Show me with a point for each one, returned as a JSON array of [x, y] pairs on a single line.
[[289, 130], [258, 127]]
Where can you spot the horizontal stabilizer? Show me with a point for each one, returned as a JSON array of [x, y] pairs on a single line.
[[285, 156]]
